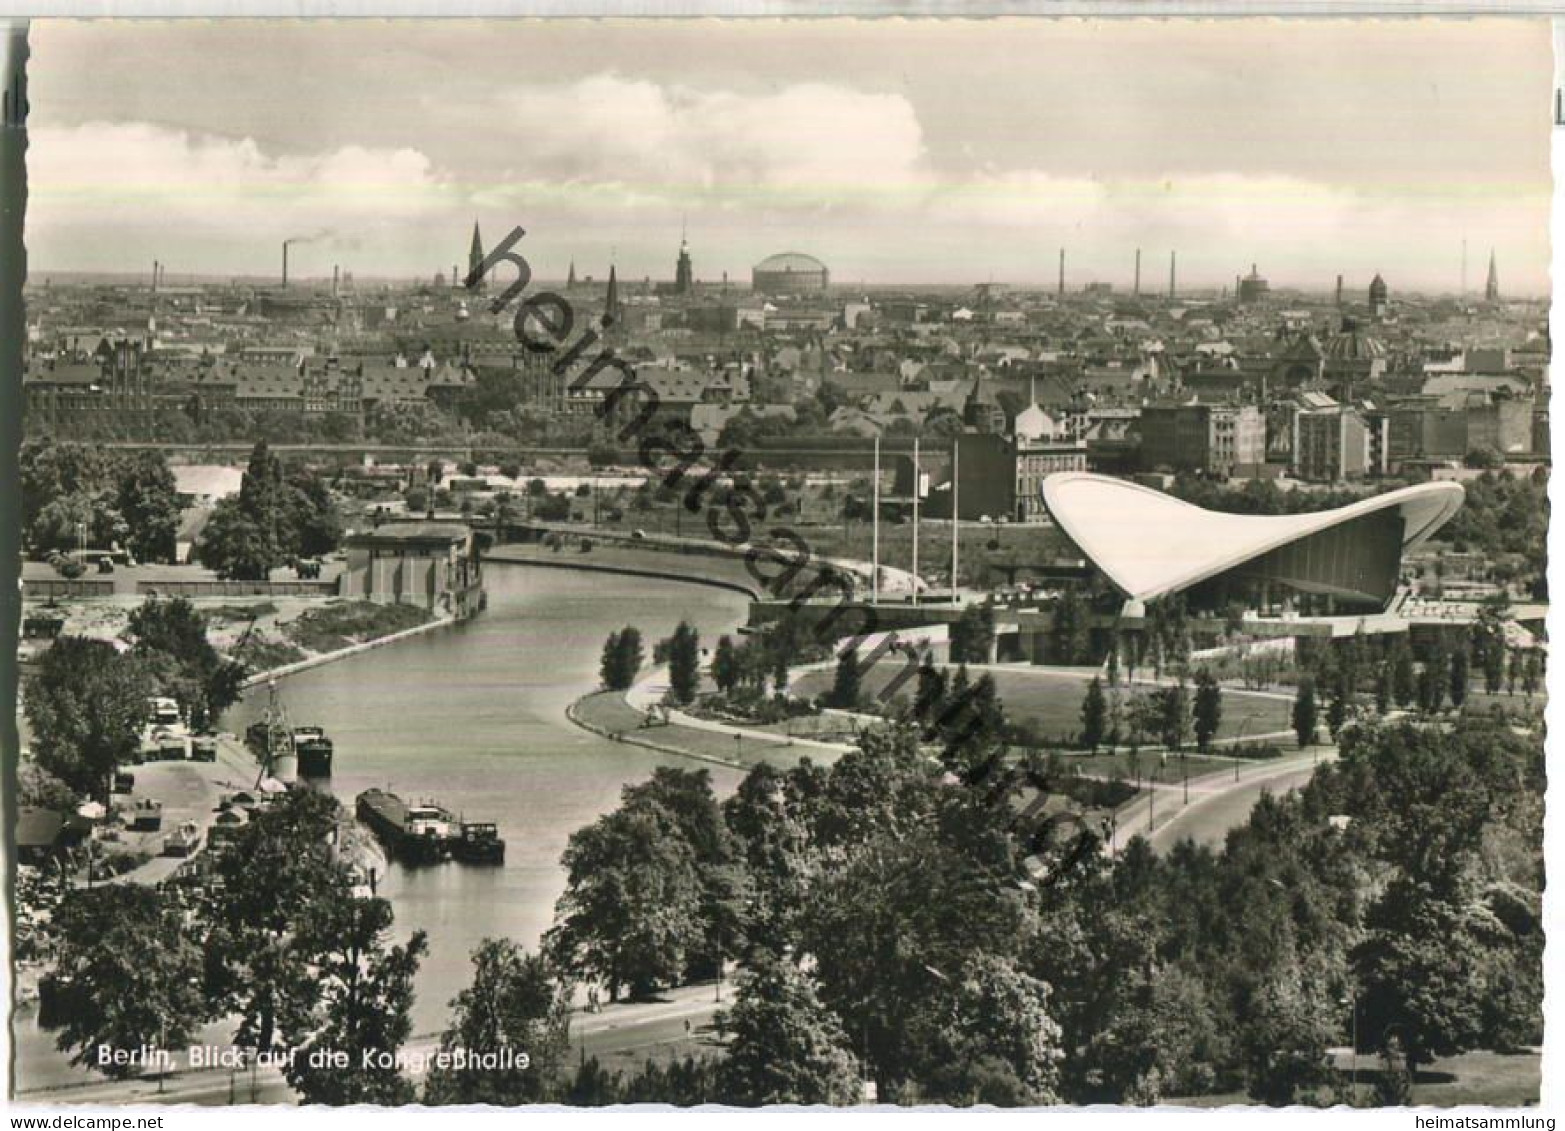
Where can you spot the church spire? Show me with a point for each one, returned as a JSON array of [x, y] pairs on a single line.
[[1491, 288], [611, 302], [570, 279], [475, 254]]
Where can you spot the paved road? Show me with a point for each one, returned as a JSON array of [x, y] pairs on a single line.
[[622, 1037], [1217, 802]]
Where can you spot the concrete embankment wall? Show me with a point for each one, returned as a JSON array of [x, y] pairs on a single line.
[[343, 653], [679, 567]]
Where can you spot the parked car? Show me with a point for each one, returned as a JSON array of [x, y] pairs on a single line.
[[124, 782], [203, 748]]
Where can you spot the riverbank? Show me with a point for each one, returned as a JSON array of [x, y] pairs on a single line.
[[634, 561]]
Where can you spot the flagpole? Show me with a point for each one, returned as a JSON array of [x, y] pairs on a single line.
[[917, 486], [956, 510], [874, 526]]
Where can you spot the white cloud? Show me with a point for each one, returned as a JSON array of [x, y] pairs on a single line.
[[100, 186], [805, 141]]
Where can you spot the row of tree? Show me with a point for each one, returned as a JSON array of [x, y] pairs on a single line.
[[73, 492], [86, 703], [891, 908], [278, 516]]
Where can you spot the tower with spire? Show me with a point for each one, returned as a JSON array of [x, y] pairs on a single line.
[[1491, 287], [611, 310], [570, 279], [475, 258], [684, 275]]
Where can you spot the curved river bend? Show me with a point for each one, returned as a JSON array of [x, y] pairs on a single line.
[[474, 716]]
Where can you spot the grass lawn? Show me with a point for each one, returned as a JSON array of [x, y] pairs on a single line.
[[1482, 1079], [1052, 701], [1151, 766], [608, 710]]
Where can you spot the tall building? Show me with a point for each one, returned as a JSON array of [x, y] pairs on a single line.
[[475, 257], [684, 275], [1379, 297], [1213, 438], [1253, 288], [1491, 288], [1333, 443], [611, 310]]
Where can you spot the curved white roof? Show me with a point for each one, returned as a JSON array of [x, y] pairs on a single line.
[[1149, 543]]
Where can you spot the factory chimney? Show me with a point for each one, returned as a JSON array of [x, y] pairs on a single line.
[[1339, 290], [1172, 258], [1137, 290], [336, 275], [1062, 270], [285, 265]]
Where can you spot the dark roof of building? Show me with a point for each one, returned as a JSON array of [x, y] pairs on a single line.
[[424, 531], [790, 261], [38, 828]]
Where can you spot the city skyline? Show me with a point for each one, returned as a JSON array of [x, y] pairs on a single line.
[[896, 153]]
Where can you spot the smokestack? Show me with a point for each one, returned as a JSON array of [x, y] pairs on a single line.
[[285, 265], [1173, 258], [1137, 290], [1339, 290], [336, 275], [1062, 270], [154, 276]]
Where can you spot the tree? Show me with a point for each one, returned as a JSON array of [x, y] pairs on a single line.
[[363, 1011], [1208, 709], [281, 869], [609, 672], [845, 684], [1069, 632], [930, 692], [784, 1045], [1337, 709], [1305, 713], [1459, 673], [972, 636], [174, 630], [1286, 1036], [989, 1038], [1173, 716], [1532, 672], [148, 501], [630, 916], [631, 656], [515, 1002], [684, 662], [1094, 716], [726, 667], [235, 545], [1404, 679], [86, 706], [128, 973], [622, 659]]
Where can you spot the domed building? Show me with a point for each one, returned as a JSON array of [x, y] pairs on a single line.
[[1379, 298], [791, 273], [1353, 357]]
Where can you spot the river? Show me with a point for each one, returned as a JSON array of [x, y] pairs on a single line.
[[474, 716]]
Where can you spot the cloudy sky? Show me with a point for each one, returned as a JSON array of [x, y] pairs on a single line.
[[908, 151]]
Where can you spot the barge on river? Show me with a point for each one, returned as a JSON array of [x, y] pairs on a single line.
[[426, 833]]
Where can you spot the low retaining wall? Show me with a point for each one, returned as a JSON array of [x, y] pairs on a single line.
[[209, 588], [65, 587]]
